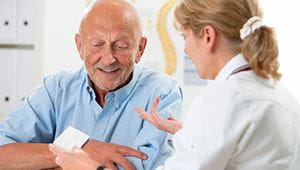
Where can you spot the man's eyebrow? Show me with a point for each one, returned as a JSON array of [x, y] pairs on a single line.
[[122, 39], [122, 36]]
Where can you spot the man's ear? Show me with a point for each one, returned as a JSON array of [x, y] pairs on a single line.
[[210, 37], [142, 46], [78, 45]]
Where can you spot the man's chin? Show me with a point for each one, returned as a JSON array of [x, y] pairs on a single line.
[[108, 87]]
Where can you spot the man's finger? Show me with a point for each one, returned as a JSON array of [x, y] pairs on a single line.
[[110, 165], [122, 161], [127, 151]]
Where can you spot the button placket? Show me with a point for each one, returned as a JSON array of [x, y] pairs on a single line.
[[96, 109], [96, 112]]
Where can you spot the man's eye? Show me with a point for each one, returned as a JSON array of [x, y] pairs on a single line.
[[121, 47], [97, 44]]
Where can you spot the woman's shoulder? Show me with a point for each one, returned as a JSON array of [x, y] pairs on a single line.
[[253, 91]]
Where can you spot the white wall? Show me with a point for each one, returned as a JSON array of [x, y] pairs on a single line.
[[61, 21], [284, 17]]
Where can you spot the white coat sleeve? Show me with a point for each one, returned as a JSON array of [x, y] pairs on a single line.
[[209, 134]]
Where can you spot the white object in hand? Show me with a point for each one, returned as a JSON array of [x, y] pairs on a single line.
[[71, 138]]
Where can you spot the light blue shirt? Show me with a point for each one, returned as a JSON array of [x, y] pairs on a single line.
[[66, 99]]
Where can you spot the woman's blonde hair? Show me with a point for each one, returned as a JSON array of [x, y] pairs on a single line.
[[228, 17]]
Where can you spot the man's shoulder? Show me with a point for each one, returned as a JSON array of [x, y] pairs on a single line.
[[152, 78], [65, 78]]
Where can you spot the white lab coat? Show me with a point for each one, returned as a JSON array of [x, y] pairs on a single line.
[[239, 122]]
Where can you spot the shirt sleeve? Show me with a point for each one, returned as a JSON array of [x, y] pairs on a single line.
[[32, 121], [153, 141]]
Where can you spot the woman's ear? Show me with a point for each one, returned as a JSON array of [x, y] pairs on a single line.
[[210, 37]]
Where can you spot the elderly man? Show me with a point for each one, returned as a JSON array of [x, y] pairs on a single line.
[[98, 100]]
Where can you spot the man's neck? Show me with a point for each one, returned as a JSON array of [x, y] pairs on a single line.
[[100, 96], [100, 93]]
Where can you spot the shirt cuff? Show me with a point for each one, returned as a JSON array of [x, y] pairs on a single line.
[[71, 138]]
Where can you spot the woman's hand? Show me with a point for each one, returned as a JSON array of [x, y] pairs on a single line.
[[169, 125], [77, 159]]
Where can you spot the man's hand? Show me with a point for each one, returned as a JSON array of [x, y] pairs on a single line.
[[169, 125], [111, 154]]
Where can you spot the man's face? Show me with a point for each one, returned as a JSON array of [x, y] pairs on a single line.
[[109, 49]]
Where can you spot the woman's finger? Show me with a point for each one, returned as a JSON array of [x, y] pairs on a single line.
[[155, 104], [56, 150], [144, 115], [58, 160], [172, 119]]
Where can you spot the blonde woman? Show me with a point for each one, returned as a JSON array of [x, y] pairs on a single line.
[[245, 119]]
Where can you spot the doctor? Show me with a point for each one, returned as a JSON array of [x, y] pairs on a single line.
[[245, 119]]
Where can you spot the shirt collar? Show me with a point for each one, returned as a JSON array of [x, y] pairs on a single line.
[[88, 85], [120, 94], [235, 63]]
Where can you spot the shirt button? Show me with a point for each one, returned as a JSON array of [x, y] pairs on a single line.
[[117, 106]]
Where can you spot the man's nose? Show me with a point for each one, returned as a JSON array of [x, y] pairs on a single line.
[[107, 57]]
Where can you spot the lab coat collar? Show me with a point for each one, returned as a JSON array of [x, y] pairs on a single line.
[[235, 63]]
